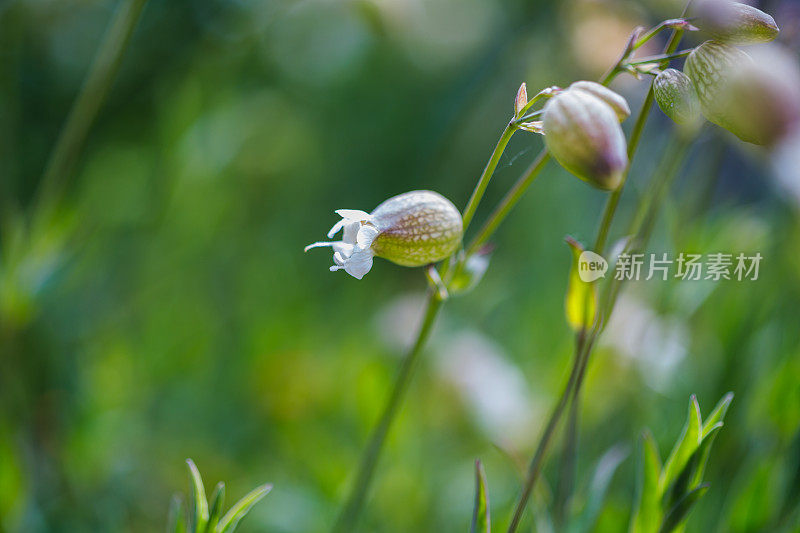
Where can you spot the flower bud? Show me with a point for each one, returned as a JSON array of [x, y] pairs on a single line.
[[676, 96], [614, 100], [411, 229], [521, 99], [735, 23], [417, 228], [758, 101], [583, 133]]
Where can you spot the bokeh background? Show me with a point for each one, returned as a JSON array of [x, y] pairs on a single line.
[[169, 311]]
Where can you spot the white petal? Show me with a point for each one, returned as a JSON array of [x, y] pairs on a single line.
[[318, 245], [359, 263], [350, 233], [336, 227], [344, 249], [353, 214], [339, 259], [366, 234]]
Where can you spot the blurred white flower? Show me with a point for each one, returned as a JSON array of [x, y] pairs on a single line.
[[492, 386], [655, 344], [399, 320], [786, 165]]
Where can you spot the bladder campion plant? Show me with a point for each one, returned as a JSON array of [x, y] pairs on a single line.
[[581, 128]]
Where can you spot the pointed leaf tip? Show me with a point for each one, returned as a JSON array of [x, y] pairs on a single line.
[[200, 501], [230, 521], [481, 521]]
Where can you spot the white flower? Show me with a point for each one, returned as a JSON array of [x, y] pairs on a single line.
[[353, 253], [411, 229]]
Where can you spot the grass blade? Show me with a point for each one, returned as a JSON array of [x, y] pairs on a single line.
[[200, 501], [176, 523], [241, 508], [647, 514], [718, 414], [603, 473], [680, 510], [215, 507], [684, 447], [481, 522]]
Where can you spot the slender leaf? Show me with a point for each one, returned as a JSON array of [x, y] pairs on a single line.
[[678, 513], [230, 521], [216, 505], [684, 447], [704, 451], [603, 473], [176, 523], [200, 501], [648, 511], [481, 522], [718, 414], [581, 298]]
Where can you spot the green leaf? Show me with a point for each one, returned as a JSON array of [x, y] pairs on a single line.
[[678, 513], [176, 522], [648, 511], [704, 451], [718, 414], [200, 501], [603, 473], [481, 522], [217, 501], [684, 447], [230, 521], [581, 299]]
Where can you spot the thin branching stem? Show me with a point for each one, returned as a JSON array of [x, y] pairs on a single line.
[[486, 176], [659, 58], [352, 508], [581, 358], [85, 108], [508, 202]]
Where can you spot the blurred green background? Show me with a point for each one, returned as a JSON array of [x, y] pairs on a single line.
[[170, 312]]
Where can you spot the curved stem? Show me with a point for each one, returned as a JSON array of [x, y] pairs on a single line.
[[535, 466], [352, 508], [486, 176], [508, 202], [636, 135], [659, 58], [582, 355], [86, 106]]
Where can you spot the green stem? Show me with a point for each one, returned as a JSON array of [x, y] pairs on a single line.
[[581, 358], [352, 508], [672, 23], [659, 58], [486, 176], [613, 200], [85, 107], [535, 466], [544, 93], [633, 144], [529, 116], [508, 202]]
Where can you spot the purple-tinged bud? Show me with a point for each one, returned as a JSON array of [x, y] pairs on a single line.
[[758, 101], [614, 100], [521, 100], [584, 135], [735, 23]]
